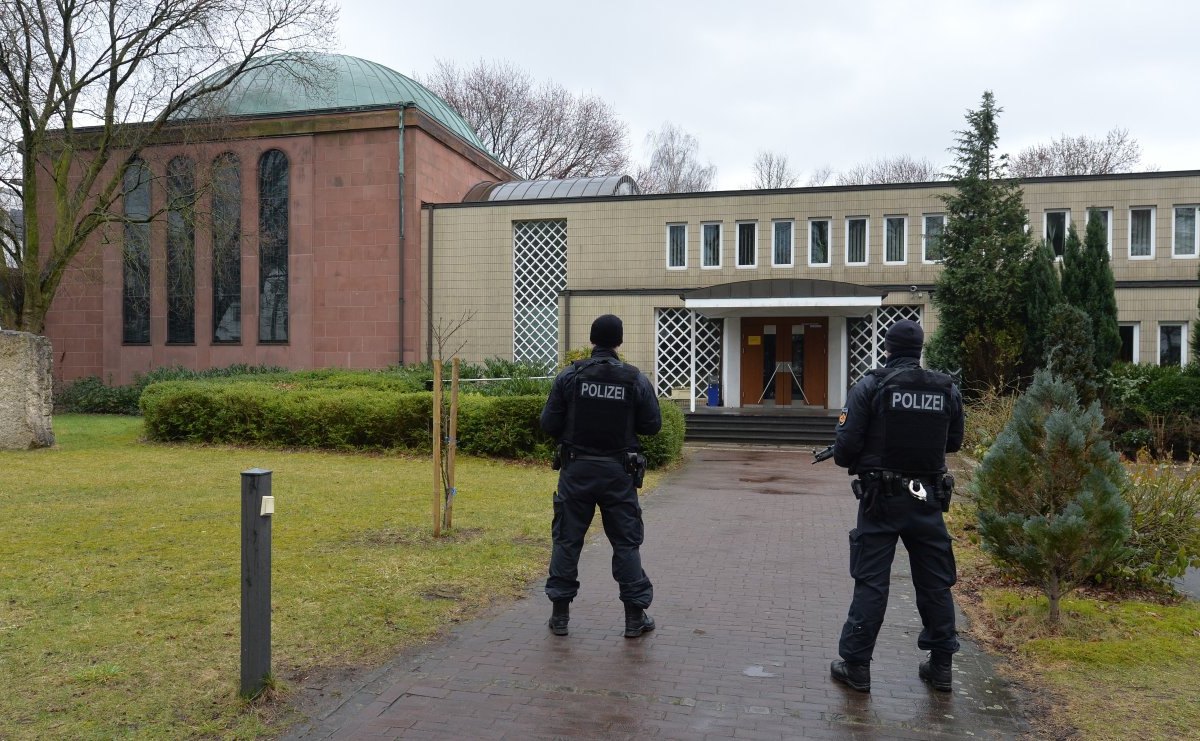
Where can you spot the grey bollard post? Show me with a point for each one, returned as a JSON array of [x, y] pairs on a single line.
[[257, 508]]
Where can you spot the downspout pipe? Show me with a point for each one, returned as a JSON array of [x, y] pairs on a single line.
[[429, 298], [400, 179]]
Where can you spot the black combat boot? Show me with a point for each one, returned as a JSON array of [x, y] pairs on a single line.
[[854, 675], [560, 617], [637, 621], [936, 670]]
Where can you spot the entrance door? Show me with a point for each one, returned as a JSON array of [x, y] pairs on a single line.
[[784, 361]]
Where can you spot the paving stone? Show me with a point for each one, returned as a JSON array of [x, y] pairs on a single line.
[[751, 589]]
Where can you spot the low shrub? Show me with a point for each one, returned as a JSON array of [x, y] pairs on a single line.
[[505, 427], [1156, 408], [666, 446], [299, 410], [91, 395], [1164, 505], [986, 417]]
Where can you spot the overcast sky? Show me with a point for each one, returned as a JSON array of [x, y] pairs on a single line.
[[829, 83]]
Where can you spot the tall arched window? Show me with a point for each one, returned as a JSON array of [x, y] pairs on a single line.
[[135, 289], [273, 247], [181, 251], [227, 249]]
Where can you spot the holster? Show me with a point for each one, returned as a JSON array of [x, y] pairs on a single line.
[[635, 466], [556, 461], [869, 489], [946, 491]]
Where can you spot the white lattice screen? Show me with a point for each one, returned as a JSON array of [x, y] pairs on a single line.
[[865, 346], [539, 274], [672, 351]]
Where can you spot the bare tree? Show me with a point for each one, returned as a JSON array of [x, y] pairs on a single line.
[[89, 84], [536, 130], [771, 170], [820, 176], [900, 169], [674, 165], [1078, 155]]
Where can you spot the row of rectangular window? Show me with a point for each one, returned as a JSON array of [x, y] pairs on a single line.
[[1185, 240], [181, 217], [1172, 343], [819, 252]]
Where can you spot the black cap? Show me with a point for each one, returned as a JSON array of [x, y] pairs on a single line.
[[607, 331], [904, 339]]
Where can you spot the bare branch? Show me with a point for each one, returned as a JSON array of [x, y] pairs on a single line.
[[1080, 155], [536, 130], [771, 170], [85, 85], [674, 165], [900, 169], [820, 176]]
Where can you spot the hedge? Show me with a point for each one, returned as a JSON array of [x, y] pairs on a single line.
[[303, 412]]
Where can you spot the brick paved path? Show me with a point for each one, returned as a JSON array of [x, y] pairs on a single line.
[[747, 549]]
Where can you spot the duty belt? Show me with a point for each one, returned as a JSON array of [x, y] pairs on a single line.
[[894, 482]]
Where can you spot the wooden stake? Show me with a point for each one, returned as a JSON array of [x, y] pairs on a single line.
[[437, 448], [451, 491]]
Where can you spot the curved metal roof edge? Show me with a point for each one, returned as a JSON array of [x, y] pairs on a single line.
[[782, 288]]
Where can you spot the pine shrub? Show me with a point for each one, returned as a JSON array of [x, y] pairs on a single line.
[[1049, 492]]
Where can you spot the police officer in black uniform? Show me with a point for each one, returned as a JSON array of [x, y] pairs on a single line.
[[596, 410], [897, 426]]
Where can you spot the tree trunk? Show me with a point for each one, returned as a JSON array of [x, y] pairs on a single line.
[[1054, 592]]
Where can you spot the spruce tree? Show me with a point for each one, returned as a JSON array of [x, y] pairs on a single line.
[[1070, 350], [1049, 492], [1088, 284], [979, 293], [1042, 294]]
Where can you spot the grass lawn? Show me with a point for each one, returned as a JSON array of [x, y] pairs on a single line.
[[119, 563], [1115, 669]]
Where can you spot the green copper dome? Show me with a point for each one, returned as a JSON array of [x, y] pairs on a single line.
[[327, 82]]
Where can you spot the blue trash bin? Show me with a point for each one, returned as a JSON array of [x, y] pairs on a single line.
[[714, 394]]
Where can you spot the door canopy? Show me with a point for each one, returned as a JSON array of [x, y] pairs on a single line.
[[783, 297]]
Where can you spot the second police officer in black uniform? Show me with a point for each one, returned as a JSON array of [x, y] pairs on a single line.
[[596, 409], [897, 426]]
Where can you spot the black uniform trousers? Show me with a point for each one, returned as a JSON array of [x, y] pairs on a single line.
[[582, 486], [872, 548]]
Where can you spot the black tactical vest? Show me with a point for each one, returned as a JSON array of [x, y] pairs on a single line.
[[600, 412], [916, 419]]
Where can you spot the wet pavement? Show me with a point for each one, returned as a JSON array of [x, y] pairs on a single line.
[[747, 548]]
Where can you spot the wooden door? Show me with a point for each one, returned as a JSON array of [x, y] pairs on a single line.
[[752, 360], [816, 361]]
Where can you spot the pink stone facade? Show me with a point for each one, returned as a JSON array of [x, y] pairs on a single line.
[[348, 282]]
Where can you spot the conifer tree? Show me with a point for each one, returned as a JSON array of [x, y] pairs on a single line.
[[1088, 284], [1042, 294], [979, 293], [1049, 492], [1070, 351]]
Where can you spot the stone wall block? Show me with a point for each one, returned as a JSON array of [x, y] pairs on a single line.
[[26, 391]]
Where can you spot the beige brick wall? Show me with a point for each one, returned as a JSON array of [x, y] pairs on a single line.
[[621, 244]]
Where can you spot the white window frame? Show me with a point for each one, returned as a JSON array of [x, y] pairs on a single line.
[[1129, 232], [1137, 339], [720, 227], [670, 227], [1195, 232], [925, 237], [903, 240], [1109, 231], [791, 247], [828, 243], [866, 241], [1183, 342], [737, 238], [1066, 228]]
